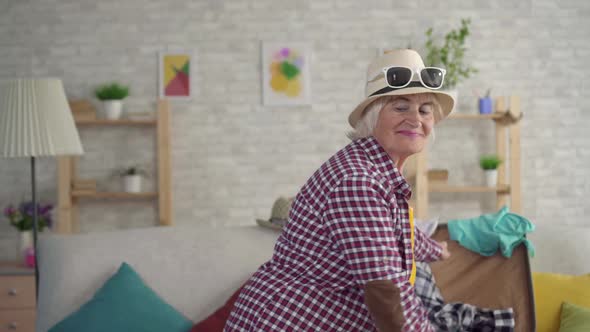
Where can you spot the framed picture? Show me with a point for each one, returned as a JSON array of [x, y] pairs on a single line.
[[174, 78], [286, 73]]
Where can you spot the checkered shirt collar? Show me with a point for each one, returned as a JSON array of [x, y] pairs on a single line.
[[385, 165]]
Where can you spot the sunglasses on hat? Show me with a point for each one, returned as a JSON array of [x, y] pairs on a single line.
[[400, 76]]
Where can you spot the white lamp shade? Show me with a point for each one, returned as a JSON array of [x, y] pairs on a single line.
[[36, 120]]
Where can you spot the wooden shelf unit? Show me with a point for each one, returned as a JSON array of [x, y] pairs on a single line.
[[508, 189], [494, 116], [122, 122], [113, 195], [446, 188], [68, 198]]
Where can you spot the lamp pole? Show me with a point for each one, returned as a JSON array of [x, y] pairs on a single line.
[[33, 112], [35, 226]]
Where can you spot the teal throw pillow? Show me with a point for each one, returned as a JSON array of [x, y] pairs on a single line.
[[125, 303], [574, 318]]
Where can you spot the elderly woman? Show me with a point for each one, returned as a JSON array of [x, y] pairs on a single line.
[[346, 258]]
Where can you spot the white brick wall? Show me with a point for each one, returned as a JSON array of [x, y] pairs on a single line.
[[232, 156]]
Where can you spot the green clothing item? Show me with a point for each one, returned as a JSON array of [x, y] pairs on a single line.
[[486, 234]]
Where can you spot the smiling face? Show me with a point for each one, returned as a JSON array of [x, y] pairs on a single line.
[[404, 124]]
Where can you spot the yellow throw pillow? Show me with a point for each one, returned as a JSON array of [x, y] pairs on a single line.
[[574, 318], [551, 290]]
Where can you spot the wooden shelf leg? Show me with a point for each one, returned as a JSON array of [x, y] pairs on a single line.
[[164, 164], [501, 198], [64, 224], [515, 204]]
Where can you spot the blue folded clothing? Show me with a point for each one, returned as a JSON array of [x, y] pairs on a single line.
[[486, 234]]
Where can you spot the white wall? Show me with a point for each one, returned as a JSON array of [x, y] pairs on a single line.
[[232, 156]]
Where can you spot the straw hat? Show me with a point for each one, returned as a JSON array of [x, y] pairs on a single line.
[[377, 85], [278, 214]]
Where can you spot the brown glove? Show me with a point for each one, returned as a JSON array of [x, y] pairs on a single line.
[[384, 302]]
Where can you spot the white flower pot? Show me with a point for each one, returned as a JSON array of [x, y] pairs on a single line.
[[25, 241], [491, 177], [112, 109], [132, 183]]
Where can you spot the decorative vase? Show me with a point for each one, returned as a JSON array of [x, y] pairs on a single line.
[[132, 183], [30, 259], [485, 105], [25, 242], [491, 177], [112, 109]]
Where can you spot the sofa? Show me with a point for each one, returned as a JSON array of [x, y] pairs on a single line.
[[561, 274], [197, 268], [194, 269]]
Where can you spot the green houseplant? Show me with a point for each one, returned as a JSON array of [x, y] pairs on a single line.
[[112, 96], [489, 164], [113, 91], [450, 55]]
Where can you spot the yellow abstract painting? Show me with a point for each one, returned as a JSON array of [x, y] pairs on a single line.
[[175, 77]]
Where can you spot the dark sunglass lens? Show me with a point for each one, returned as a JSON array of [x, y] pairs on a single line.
[[398, 76], [432, 77]]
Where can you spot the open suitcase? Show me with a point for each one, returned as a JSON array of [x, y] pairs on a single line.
[[488, 282]]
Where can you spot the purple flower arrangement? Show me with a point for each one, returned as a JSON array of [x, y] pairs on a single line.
[[21, 217]]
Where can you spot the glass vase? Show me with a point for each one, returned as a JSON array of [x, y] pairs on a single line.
[[25, 241]]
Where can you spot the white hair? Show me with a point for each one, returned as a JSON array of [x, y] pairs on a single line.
[[368, 121]]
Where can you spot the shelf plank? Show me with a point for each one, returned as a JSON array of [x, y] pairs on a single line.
[[446, 188], [493, 116], [121, 122], [114, 195], [15, 268]]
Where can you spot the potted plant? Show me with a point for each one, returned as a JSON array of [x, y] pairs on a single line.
[[450, 55], [21, 218], [112, 96], [490, 164], [132, 176]]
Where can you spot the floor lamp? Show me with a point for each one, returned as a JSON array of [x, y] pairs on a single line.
[[36, 121]]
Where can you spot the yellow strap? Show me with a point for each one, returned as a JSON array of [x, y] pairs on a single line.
[[413, 273]]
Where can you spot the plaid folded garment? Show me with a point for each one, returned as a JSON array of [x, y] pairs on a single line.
[[454, 317]]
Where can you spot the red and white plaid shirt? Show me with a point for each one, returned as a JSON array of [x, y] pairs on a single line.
[[348, 225]]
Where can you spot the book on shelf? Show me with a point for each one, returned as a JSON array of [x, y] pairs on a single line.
[[84, 184], [84, 191], [438, 175], [82, 110]]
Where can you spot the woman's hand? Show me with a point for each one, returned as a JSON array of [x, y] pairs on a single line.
[[445, 250]]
